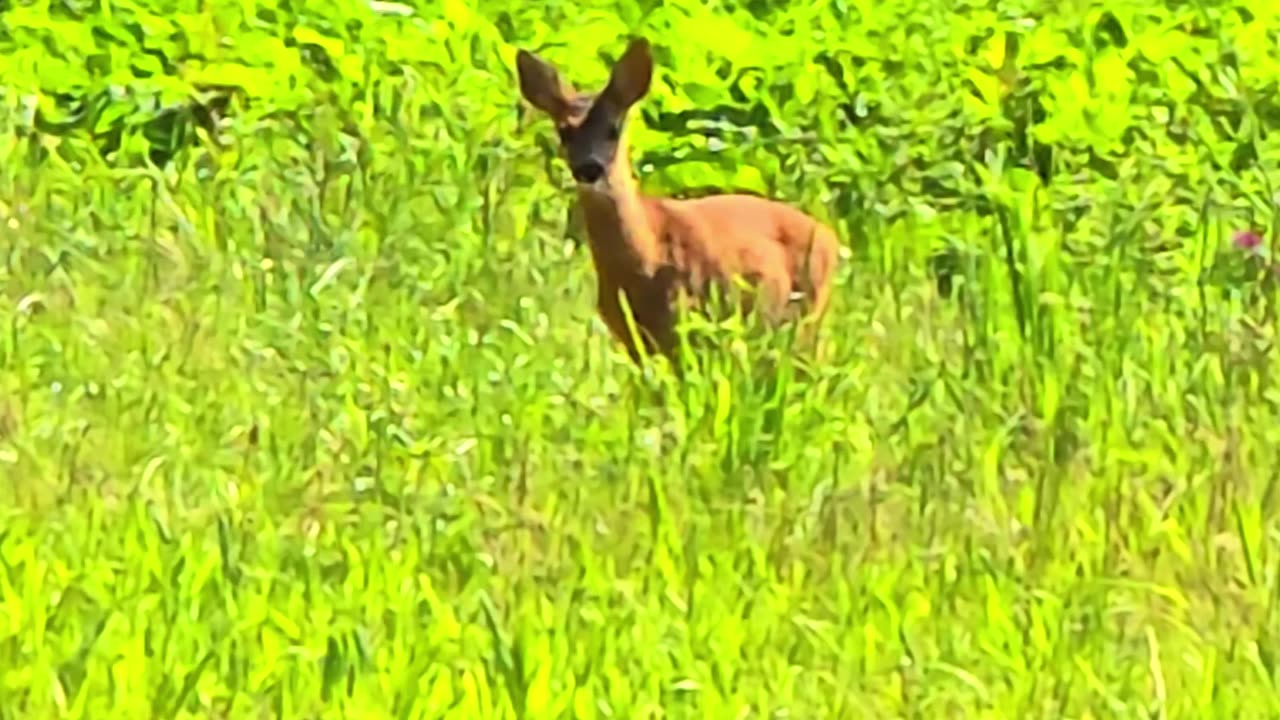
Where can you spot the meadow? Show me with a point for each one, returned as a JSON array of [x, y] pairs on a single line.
[[305, 411]]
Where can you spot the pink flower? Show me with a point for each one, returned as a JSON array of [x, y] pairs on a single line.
[[1247, 240]]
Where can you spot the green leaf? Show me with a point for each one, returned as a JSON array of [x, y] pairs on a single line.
[[256, 81], [334, 47]]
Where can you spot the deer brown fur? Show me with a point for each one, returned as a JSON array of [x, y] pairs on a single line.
[[664, 254]]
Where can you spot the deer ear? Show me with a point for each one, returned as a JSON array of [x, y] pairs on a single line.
[[631, 75], [542, 85]]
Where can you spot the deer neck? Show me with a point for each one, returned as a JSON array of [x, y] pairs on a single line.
[[619, 228]]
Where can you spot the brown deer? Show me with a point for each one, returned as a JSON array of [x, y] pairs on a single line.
[[665, 255]]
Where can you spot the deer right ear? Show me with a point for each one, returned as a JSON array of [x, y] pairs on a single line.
[[542, 85]]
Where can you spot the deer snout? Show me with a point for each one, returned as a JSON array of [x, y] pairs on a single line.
[[588, 171]]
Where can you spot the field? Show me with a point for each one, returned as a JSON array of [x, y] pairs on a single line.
[[305, 411]]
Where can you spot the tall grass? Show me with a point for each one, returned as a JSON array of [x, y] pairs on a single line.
[[315, 419]]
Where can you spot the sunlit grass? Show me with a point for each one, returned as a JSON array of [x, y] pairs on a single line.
[[293, 430]]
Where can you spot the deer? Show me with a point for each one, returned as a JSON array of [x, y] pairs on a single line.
[[665, 256]]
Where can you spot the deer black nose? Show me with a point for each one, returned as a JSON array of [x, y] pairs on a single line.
[[588, 172]]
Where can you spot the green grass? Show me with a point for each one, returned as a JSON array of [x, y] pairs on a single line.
[[311, 416]]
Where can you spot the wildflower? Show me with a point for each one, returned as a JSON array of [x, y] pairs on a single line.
[[1247, 240]]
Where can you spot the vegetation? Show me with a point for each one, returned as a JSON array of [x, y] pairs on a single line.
[[305, 411]]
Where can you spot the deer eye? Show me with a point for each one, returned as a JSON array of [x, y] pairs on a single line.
[[615, 131]]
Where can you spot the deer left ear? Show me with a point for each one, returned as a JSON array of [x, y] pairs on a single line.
[[631, 76]]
